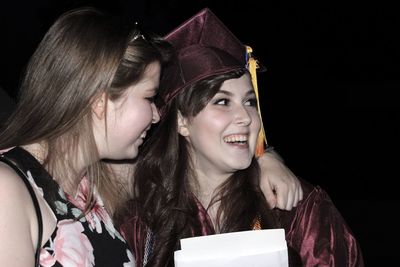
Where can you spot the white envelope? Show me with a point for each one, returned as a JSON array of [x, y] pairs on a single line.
[[248, 248]]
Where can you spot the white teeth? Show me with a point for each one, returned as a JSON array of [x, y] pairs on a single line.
[[235, 138]]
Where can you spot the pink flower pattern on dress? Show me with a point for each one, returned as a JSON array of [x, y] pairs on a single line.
[[71, 247], [46, 259], [97, 214], [77, 240]]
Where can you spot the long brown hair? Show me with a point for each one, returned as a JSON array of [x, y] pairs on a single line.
[[84, 54], [164, 169]]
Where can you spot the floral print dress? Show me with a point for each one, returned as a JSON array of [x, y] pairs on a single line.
[[78, 239]]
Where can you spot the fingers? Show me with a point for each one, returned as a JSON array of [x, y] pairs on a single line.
[[288, 194], [282, 196], [269, 195], [280, 186], [299, 192]]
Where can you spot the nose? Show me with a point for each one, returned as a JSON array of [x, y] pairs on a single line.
[[156, 115], [242, 116]]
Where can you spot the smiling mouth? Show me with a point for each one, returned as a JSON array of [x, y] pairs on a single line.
[[238, 139]]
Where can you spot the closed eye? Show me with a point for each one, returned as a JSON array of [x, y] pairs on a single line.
[[151, 99]]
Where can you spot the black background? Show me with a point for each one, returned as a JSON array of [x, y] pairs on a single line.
[[328, 97]]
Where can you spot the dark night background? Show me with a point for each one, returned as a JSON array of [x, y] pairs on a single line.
[[328, 97]]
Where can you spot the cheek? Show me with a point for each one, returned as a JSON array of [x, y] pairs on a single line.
[[205, 128], [134, 118], [141, 115], [256, 122], [218, 121]]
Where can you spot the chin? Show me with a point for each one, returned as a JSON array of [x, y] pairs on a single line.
[[132, 155], [241, 165]]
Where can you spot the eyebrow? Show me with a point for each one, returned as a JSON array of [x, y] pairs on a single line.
[[248, 93]]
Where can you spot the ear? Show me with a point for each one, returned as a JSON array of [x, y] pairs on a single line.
[[182, 125], [99, 106]]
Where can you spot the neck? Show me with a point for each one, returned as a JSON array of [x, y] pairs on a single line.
[[123, 171], [207, 185], [77, 168]]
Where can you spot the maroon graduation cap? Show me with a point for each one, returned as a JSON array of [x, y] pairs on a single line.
[[204, 47]]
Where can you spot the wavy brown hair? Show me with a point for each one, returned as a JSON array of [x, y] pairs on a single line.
[[84, 54], [164, 170]]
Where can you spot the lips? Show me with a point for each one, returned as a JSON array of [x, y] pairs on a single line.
[[236, 139]]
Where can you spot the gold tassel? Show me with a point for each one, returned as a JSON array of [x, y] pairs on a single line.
[[256, 223], [252, 67]]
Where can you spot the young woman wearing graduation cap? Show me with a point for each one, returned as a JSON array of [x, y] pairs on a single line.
[[198, 175], [94, 102]]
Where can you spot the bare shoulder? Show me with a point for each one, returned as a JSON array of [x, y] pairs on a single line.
[[10, 182], [16, 213], [13, 192]]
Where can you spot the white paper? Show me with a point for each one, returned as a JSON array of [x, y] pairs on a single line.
[[248, 248]]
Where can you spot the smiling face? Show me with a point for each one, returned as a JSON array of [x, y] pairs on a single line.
[[223, 135], [128, 118]]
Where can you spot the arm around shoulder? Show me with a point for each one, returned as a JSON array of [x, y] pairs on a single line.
[[16, 217], [280, 186]]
